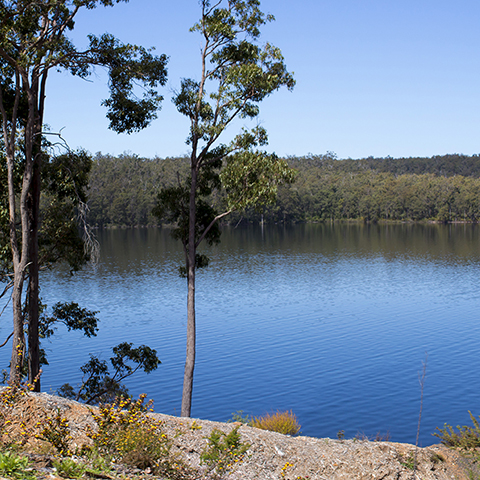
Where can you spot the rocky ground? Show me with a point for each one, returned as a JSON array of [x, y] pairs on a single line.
[[271, 456]]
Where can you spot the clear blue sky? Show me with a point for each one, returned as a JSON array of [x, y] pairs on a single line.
[[374, 77]]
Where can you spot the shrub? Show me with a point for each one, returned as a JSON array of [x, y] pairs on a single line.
[[56, 431], [127, 433], [281, 422], [223, 452], [467, 438]]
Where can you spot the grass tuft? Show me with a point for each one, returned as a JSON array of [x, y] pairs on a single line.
[[282, 422]]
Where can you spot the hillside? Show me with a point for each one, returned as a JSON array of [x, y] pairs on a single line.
[[271, 456], [123, 190]]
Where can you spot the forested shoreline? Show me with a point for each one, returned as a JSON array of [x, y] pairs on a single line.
[[123, 190]]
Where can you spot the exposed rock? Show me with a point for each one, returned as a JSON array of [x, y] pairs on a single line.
[[271, 456]]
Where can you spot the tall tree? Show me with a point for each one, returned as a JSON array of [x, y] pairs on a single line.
[[33, 41], [236, 73]]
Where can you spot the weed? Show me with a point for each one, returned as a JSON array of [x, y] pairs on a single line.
[[341, 434], [15, 466], [409, 461], [126, 432], [68, 468], [437, 458], [466, 438], [378, 437], [281, 422], [238, 416], [223, 452], [56, 432], [195, 426], [472, 475], [97, 465], [285, 468]]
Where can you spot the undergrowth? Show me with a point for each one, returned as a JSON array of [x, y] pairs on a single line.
[[282, 422], [10, 396], [126, 433], [465, 438], [223, 452], [15, 466]]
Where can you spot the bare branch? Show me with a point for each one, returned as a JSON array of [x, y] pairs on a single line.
[[9, 285], [212, 223], [6, 341]]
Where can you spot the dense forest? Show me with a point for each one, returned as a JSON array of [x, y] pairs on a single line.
[[123, 190]]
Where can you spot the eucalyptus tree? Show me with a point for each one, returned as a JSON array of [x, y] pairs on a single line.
[[33, 41], [236, 73]]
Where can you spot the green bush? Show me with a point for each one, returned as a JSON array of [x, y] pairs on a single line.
[[281, 422], [223, 452], [15, 466], [467, 438], [68, 468], [127, 433]]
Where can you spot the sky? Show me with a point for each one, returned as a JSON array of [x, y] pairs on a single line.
[[379, 78]]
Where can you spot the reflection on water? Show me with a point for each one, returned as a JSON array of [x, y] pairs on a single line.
[[331, 321]]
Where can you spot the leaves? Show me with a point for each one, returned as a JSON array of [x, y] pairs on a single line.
[[251, 179], [72, 316], [101, 385], [241, 72]]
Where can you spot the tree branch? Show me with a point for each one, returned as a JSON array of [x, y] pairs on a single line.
[[212, 223], [8, 338]]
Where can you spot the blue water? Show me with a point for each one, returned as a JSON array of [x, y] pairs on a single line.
[[332, 322]]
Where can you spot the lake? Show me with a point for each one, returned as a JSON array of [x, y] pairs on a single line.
[[332, 322]]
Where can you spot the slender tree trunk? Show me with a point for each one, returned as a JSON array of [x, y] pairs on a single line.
[[21, 256], [19, 266], [33, 281], [34, 212], [18, 346], [191, 326], [191, 340]]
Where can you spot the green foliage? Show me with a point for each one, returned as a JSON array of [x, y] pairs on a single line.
[[127, 433], [63, 231], [236, 74], [68, 468], [282, 422], [72, 316], [223, 452], [241, 75], [123, 191], [466, 437], [251, 179], [127, 64], [238, 416], [33, 41], [15, 466], [408, 461], [99, 385]]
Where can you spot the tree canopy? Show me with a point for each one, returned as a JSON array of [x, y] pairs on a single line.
[[33, 41], [123, 190], [236, 74]]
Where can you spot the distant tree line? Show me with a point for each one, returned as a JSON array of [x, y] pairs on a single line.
[[123, 190]]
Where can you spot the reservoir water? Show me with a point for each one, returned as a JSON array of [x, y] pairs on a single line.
[[332, 322]]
